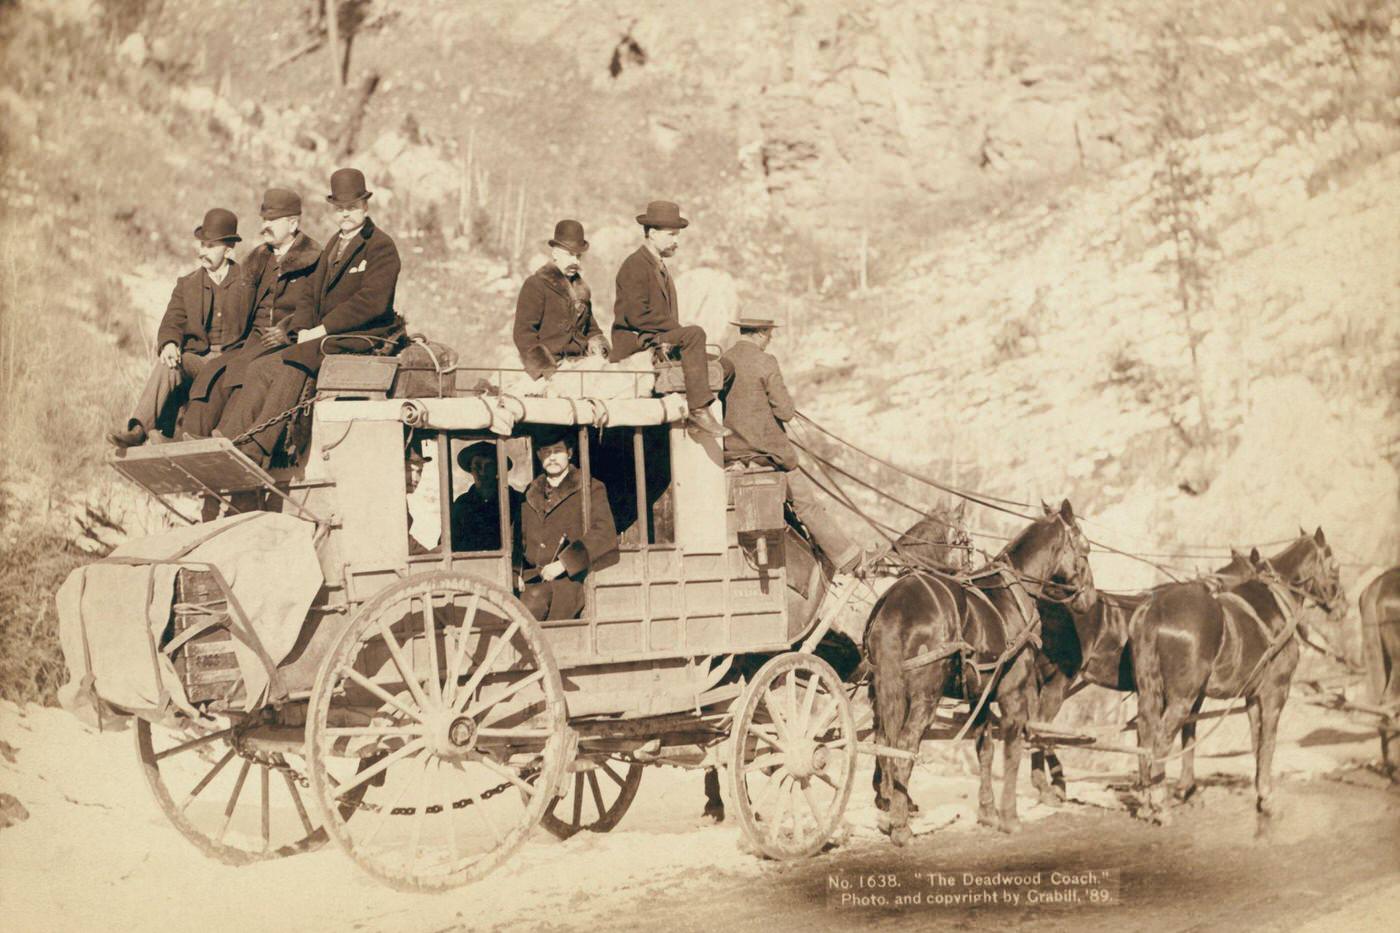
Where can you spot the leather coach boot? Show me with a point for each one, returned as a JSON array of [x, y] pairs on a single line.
[[133, 436], [706, 422]]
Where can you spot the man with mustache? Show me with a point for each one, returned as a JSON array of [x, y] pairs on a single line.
[[554, 312], [276, 274], [199, 322], [348, 307], [646, 313]]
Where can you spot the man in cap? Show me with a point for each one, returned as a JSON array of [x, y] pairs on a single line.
[[554, 312], [557, 546], [276, 274], [646, 313], [200, 320], [476, 513], [414, 460], [756, 406], [348, 307]]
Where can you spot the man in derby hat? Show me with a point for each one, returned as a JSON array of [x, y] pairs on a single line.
[[557, 547], [646, 313], [275, 276], [200, 320], [756, 406], [347, 307], [554, 312], [476, 513]]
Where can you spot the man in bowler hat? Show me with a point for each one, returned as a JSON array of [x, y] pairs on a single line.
[[756, 406], [558, 547], [646, 313], [199, 322], [554, 312], [274, 277], [348, 307]]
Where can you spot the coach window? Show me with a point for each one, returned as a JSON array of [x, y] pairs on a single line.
[[422, 491], [634, 464], [485, 471]]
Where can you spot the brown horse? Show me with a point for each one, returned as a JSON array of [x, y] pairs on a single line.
[[937, 540], [1380, 626], [1081, 648], [977, 625], [1190, 643]]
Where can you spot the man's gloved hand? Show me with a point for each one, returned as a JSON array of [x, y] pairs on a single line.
[[275, 336], [170, 355], [598, 346], [552, 570]]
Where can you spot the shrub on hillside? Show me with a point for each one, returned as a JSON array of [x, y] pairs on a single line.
[[31, 569]]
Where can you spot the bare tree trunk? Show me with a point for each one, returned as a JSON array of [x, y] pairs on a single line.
[[357, 114], [333, 30]]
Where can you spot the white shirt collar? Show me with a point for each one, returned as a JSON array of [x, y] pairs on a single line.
[[219, 276]]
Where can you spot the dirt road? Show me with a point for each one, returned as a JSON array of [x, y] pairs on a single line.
[[95, 853], [1337, 845]]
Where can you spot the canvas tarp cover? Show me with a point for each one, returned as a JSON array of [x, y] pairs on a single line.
[[112, 613]]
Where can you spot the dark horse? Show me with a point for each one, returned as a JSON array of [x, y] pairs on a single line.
[[938, 540], [1380, 627], [1190, 643], [979, 626], [1082, 648]]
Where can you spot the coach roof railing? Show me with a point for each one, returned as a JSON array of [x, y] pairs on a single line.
[[500, 413]]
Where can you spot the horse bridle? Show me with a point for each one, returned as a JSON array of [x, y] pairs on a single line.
[[1325, 602], [1067, 540]]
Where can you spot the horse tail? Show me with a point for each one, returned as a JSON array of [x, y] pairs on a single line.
[[1149, 680]]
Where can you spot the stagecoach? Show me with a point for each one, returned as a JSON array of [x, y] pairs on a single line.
[[432, 722]]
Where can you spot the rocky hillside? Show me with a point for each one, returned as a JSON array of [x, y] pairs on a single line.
[[1146, 257]]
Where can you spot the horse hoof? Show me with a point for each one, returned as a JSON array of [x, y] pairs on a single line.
[[1269, 808], [988, 818], [1010, 825], [1193, 796], [714, 812], [1161, 816], [901, 836], [1052, 796], [882, 822]]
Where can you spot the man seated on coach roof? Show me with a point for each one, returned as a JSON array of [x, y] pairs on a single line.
[[646, 313], [275, 275], [347, 308], [554, 312], [200, 321], [476, 513], [558, 548]]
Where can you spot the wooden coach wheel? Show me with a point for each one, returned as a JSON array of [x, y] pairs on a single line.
[[594, 796], [793, 757], [237, 808], [449, 680]]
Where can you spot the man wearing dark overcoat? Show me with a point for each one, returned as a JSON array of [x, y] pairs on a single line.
[[347, 308], [476, 513], [557, 547], [756, 406], [646, 313], [275, 275], [554, 312], [201, 319]]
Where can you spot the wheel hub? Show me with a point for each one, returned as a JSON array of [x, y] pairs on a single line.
[[801, 759], [461, 734]]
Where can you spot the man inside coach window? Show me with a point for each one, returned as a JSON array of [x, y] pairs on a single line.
[[558, 547]]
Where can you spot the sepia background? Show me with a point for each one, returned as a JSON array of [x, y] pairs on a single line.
[[1141, 255]]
